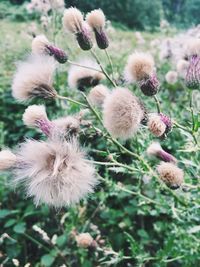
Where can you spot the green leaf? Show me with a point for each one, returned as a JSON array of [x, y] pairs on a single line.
[[10, 223], [61, 240], [20, 228], [4, 213], [47, 260]]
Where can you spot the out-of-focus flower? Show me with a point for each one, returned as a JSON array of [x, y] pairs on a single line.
[[171, 77], [98, 94], [7, 159], [73, 22], [122, 113], [34, 78], [170, 174], [82, 78], [84, 240], [96, 19], [181, 67], [140, 68], [157, 151]]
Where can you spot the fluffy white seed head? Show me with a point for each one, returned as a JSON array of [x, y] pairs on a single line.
[[96, 19], [171, 77], [73, 20], [139, 66], [97, 95], [181, 67], [193, 47], [7, 159], [34, 113], [122, 113], [54, 172], [84, 240], [155, 125], [68, 124], [36, 72], [76, 73], [170, 174], [153, 149], [39, 44]]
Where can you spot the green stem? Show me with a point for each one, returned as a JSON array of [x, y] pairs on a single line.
[[71, 100], [102, 68], [114, 164], [110, 62], [157, 103], [82, 66]]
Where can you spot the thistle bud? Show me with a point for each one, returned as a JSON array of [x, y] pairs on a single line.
[[73, 22], [159, 124], [96, 20], [157, 151], [58, 53], [170, 174], [7, 159], [150, 86]]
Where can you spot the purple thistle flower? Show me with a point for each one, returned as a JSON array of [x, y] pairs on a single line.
[[84, 39], [101, 39], [193, 73], [167, 121], [150, 85], [58, 53]]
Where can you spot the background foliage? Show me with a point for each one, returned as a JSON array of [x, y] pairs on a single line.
[[161, 230]]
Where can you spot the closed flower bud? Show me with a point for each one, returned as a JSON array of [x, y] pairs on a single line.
[[34, 78], [7, 159], [122, 113], [97, 95], [82, 78], [41, 45], [171, 77], [73, 22], [140, 68], [170, 174], [96, 20], [84, 240], [157, 151]]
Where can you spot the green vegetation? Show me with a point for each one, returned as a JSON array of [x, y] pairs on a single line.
[[140, 224]]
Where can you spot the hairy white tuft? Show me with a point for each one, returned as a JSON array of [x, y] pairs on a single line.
[[96, 19], [34, 113], [153, 149], [73, 20], [171, 77], [122, 113], [98, 94], [54, 172], [35, 72], [155, 125], [39, 44], [193, 47], [77, 73], [68, 124], [139, 66], [7, 159]]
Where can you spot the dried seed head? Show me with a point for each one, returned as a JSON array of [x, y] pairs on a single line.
[[7, 159], [155, 125], [122, 113], [171, 77], [170, 174], [69, 125], [97, 95], [140, 66], [84, 240], [34, 78]]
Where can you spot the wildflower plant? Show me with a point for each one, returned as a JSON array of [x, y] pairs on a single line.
[[107, 130]]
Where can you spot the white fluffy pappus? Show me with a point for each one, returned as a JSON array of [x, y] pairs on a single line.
[[73, 20], [170, 174], [77, 74], [192, 47], [181, 67], [39, 44], [139, 66], [96, 19], [155, 125], [68, 124], [54, 172], [171, 77], [34, 113], [122, 113], [7, 159], [34, 77], [156, 150], [98, 94]]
